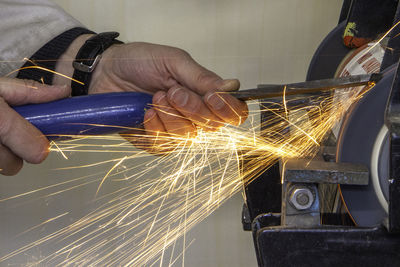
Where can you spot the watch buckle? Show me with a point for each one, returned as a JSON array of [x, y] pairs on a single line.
[[86, 68]]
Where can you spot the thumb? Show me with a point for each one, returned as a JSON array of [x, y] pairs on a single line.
[[199, 79], [229, 85], [20, 92]]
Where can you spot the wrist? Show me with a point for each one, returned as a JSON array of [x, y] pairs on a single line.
[[103, 74], [64, 64], [87, 59]]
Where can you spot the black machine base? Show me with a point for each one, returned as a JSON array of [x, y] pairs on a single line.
[[324, 246]]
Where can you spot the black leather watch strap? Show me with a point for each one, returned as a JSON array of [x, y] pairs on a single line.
[[87, 58]]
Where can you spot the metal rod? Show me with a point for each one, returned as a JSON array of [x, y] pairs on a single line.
[[276, 90]]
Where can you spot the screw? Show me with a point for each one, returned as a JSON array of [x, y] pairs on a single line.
[[302, 198]]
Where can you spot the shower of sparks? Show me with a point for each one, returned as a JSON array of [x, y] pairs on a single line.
[[166, 195]]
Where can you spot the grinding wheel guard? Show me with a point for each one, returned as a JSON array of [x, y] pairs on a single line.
[[97, 114]]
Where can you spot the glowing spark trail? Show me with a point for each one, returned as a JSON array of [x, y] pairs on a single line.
[[108, 173], [165, 196]]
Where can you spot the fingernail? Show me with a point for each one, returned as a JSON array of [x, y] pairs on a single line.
[[215, 101], [180, 97], [229, 85]]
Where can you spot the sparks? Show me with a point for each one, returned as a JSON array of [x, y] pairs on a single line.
[[167, 195]]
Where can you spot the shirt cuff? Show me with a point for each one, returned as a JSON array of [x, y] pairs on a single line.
[[42, 64]]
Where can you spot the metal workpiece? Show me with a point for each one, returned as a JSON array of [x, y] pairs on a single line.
[[300, 205], [264, 91], [322, 172]]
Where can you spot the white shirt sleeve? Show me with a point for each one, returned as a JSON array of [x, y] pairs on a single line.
[[25, 26]]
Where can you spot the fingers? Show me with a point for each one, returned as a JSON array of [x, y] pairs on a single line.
[[170, 118], [205, 83], [227, 107], [158, 141], [19, 92], [20, 140], [153, 123], [21, 137], [178, 110], [10, 164], [215, 110], [156, 138], [191, 106]]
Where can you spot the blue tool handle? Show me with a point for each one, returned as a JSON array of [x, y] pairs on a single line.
[[80, 115]]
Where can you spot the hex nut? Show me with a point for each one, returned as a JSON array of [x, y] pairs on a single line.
[[302, 198]]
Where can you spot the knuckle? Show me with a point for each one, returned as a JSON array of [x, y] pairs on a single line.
[[196, 108], [5, 123], [158, 97], [207, 78], [202, 77], [182, 53]]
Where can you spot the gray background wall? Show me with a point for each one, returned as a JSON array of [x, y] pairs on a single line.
[[257, 41]]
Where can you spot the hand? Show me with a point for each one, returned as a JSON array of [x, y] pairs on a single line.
[[184, 92], [20, 140]]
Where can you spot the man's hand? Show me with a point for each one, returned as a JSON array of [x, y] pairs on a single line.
[[184, 92], [20, 140]]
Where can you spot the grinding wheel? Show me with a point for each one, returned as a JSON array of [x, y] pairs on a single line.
[[362, 138]]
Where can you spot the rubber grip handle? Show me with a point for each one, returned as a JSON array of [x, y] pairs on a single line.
[[80, 115]]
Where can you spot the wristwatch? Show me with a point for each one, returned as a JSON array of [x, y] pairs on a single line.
[[87, 59]]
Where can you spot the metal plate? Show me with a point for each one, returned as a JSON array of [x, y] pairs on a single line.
[[357, 138]]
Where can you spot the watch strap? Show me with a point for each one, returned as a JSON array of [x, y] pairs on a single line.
[[87, 59], [41, 65]]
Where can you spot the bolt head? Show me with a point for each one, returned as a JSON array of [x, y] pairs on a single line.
[[302, 198]]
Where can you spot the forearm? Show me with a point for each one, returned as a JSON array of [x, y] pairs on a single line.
[[25, 26]]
